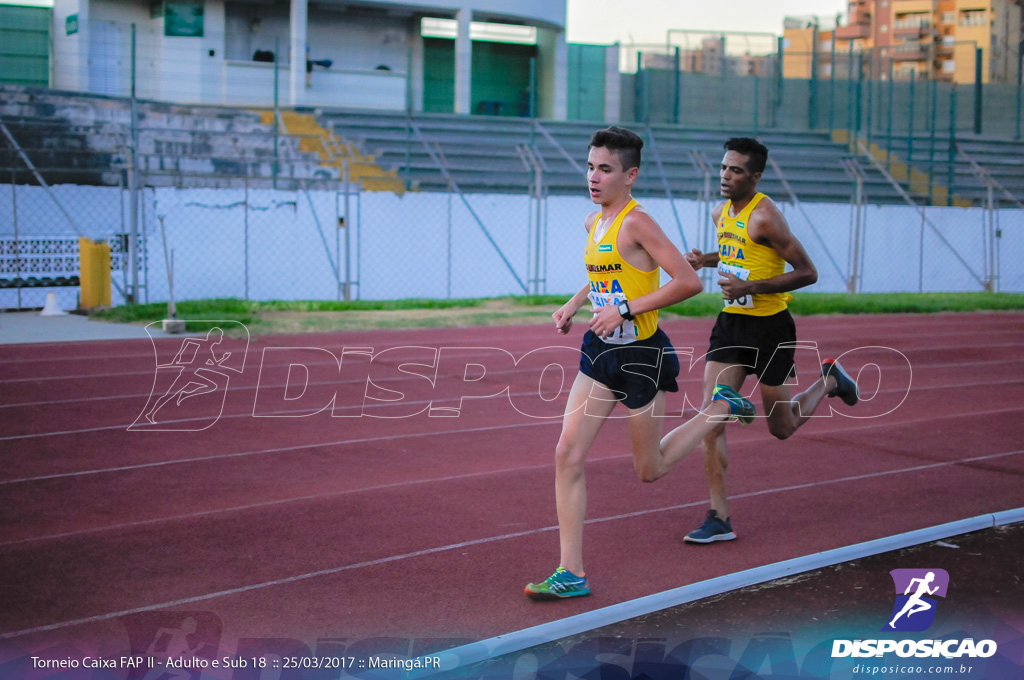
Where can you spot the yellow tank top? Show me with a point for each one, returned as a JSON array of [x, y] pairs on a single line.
[[613, 281], [740, 256]]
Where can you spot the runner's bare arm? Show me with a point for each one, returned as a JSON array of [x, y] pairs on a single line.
[[684, 282], [696, 258], [564, 314], [768, 227], [646, 247]]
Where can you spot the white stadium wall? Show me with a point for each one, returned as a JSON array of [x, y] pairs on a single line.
[[287, 245]]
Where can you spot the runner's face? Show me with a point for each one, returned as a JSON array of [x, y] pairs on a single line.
[[606, 179], [737, 181]]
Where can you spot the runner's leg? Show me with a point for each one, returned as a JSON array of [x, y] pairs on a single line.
[[589, 405]]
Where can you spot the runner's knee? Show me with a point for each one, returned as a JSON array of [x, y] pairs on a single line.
[[781, 429], [647, 471], [569, 459]]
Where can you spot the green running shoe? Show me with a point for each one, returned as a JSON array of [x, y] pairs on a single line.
[[739, 407], [563, 583]]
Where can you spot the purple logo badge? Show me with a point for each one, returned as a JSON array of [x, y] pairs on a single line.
[[916, 590]]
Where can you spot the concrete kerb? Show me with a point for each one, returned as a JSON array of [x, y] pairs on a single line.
[[29, 327], [518, 641]]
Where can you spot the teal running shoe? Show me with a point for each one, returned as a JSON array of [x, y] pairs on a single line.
[[741, 408], [563, 583]]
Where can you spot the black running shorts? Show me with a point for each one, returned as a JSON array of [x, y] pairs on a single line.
[[635, 372], [765, 345]]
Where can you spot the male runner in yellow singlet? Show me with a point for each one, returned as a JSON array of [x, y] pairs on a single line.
[[755, 332], [624, 253]]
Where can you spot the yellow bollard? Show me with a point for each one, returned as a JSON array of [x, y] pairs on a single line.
[[94, 273]]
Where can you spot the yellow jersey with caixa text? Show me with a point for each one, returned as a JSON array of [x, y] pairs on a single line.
[[740, 256], [614, 281]]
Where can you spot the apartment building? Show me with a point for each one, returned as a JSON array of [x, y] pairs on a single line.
[[934, 39]]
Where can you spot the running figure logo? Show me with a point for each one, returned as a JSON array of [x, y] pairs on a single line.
[[185, 638], [200, 372], [916, 589]]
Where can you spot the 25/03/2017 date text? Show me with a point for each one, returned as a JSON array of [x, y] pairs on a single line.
[[340, 662]]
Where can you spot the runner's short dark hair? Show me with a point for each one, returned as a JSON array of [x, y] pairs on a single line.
[[752, 149], [626, 142]]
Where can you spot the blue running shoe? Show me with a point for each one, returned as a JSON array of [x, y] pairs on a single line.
[[846, 389], [739, 407], [713, 529], [563, 583]]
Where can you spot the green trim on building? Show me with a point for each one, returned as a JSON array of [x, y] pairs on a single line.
[[25, 45], [585, 83], [500, 77]]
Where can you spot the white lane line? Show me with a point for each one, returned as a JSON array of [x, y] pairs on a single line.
[[488, 428], [250, 388], [286, 412], [83, 376], [284, 501], [282, 449], [542, 335], [464, 544]]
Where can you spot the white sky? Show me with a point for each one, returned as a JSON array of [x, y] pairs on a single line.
[[647, 21]]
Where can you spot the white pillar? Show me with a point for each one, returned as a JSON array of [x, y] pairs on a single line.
[[560, 78], [415, 75], [299, 19], [612, 84], [214, 40], [71, 52], [463, 63], [552, 74]]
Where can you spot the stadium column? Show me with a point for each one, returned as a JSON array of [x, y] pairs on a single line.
[[71, 44], [556, 79], [552, 74], [298, 22], [463, 62], [612, 84]]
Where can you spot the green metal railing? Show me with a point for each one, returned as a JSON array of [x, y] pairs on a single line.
[[864, 93]]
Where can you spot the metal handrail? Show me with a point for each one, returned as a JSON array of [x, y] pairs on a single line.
[[989, 180], [875, 163], [442, 166], [568, 156], [668, 189], [703, 165], [799, 206], [49, 192]]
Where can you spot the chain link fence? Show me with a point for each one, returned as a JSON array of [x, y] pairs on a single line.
[[204, 202], [328, 240], [753, 83]]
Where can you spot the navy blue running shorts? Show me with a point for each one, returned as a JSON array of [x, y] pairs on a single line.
[[636, 372], [765, 345]]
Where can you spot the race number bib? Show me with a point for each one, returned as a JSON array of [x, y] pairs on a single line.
[[626, 332], [745, 302]]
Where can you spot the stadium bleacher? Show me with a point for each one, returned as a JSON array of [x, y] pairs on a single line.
[[74, 138], [483, 154], [1000, 158], [84, 139]]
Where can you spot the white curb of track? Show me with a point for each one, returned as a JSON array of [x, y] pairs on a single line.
[[520, 640]]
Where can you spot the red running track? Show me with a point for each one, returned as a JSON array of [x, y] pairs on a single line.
[[404, 518]]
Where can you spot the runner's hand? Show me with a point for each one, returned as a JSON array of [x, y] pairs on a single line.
[[606, 320], [563, 320], [695, 258], [733, 287]]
